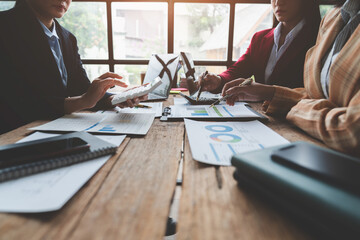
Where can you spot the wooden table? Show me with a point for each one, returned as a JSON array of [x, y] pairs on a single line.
[[130, 197]]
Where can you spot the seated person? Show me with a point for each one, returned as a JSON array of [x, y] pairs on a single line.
[[276, 55], [41, 73], [328, 108]]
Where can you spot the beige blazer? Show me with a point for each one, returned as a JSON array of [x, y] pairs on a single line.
[[335, 121]]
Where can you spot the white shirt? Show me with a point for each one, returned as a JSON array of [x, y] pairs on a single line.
[[350, 12], [54, 43], [277, 52]]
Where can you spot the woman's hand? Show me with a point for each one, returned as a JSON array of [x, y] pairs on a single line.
[[210, 82], [253, 93], [130, 102], [99, 87]]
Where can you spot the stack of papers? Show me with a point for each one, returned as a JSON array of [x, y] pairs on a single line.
[[109, 123]]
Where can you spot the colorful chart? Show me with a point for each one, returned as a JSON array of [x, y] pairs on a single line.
[[218, 128], [198, 111], [107, 128], [225, 137], [217, 111]]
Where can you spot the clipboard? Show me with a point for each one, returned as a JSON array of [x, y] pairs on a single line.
[[198, 113]]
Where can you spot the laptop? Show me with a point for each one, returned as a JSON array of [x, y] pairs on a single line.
[[164, 66]]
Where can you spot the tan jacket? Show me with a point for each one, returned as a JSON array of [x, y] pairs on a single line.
[[335, 121]]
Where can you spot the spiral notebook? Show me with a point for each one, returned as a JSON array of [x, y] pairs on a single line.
[[95, 148]]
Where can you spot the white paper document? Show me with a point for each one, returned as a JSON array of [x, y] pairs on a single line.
[[215, 142], [156, 107], [111, 123], [181, 109], [49, 191]]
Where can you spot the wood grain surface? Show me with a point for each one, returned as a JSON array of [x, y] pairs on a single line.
[[135, 199], [209, 211], [130, 196]]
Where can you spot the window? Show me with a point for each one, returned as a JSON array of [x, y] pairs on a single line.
[[88, 22], [5, 5], [249, 19], [139, 29], [202, 29], [121, 35]]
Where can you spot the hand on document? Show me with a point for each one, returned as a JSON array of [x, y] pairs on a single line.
[[253, 92]]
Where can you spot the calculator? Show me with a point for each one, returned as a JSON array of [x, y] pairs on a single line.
[[136, 92], [201, 101]]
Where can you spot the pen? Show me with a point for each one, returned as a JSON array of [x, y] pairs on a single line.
[[244, 83], [200, 89], [142, 106], [218, 177]]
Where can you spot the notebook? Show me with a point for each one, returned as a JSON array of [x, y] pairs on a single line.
[[315, 201], [93, 148]]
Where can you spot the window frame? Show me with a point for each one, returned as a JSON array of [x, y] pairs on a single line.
[[111, 61]]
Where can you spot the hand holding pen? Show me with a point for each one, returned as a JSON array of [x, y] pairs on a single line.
[[201, 85], [246, 82], [209, 82]]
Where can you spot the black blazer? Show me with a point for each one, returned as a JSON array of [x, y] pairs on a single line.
[[30, 82]]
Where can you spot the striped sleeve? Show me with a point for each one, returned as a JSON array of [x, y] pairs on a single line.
[[283, 100], [337, 127]]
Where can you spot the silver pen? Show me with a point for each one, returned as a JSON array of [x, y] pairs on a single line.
[[244, 83]]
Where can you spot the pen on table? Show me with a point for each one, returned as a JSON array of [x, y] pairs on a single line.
[[200, 89], [142, 106], [244, 83], [218, 177]]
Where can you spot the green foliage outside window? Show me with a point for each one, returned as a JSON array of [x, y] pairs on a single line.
[[87, 23], [204, 17]]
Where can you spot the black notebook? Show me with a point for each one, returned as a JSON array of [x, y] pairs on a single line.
[[306, 181], [23, 159]]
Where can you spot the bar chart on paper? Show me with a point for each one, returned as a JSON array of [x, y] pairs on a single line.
[[215, 143], [197, 111], [219, 111], [111, 122]]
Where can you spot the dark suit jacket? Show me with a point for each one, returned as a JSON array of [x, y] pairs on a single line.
[[31, 86], [289, 69]]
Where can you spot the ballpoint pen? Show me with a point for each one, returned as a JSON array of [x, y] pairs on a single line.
[[142, 106], [244, 83], [200, 89]]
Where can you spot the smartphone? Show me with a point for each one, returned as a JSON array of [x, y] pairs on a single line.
[[320, 162], [17, 154]]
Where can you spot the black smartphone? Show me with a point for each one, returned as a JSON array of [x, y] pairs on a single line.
[[201, 101], [17, 154], [321, 162]]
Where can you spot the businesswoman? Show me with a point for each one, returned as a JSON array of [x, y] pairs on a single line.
[[275, 56], [41, 73], [328, 107]]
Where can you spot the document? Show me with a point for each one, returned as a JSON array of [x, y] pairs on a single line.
[[156, 107], [215, 142], [181, 109], [111, 123], [49, 191]]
